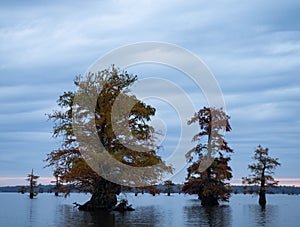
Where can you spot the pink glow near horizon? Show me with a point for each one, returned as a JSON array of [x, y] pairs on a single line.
[[9, 181], [282, 181]]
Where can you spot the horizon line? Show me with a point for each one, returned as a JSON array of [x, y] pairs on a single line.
[[17, 181]]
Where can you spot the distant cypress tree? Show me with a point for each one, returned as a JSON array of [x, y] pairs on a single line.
[[262, 172], [32, 179], [169, 184]]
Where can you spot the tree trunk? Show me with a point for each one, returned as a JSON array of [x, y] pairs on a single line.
[[209, 201], [103, 198], [169, 188], [262, 197], [262, 191]]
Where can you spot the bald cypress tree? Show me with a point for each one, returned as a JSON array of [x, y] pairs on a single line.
[[69, 162], [32, 179], [211, 183], [262, 171]]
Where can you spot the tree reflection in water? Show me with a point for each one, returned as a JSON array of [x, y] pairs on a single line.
[[70, 216], [146, 216], [262, 216], [207, 216], [143, 216], [163, 210]]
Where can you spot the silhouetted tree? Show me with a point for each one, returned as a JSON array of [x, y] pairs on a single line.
[[153, 190], [210, 184], [262, 172], [58, 182], [169, 184], [22, 189], [32, 179]]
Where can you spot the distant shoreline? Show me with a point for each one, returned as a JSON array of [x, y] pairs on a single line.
[[236, 189]]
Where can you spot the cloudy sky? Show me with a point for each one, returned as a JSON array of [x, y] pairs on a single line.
[[251, 47]]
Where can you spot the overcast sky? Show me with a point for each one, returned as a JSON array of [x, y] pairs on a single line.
[[252, 48]]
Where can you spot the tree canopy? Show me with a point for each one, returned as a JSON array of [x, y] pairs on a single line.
[[262, 171], [70, 160], [209, 172]]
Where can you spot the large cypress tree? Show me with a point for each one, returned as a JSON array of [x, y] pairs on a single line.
[[70, 162]]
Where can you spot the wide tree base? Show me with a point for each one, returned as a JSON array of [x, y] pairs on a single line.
[[262, 199], [209, 201], [104, 197], [90, 206], [100, 202], [31, 195]]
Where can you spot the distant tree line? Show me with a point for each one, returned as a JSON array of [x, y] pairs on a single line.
[[235, 189]]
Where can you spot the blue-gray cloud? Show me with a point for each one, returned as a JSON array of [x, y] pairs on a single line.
[[252, 48]]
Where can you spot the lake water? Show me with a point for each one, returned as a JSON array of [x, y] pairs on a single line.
[[175, 210]]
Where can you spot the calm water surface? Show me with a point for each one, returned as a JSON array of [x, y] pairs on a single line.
[[176, 210]]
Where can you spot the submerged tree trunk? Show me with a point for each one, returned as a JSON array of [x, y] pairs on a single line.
[[103, 198], [262, 191], [209, 201], [262, 196], [31, 186]]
